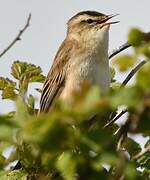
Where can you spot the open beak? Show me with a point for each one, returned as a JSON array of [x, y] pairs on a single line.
[[104, 22]]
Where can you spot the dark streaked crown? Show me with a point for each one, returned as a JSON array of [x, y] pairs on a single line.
[[89, 13]]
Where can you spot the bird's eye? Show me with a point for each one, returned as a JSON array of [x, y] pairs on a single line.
[[89, 21]]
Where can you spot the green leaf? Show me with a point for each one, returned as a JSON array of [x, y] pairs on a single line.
[[9, 93], [106, 158], [128, 96], [144, 121], [18, 69], [66, 165], [37, 78], [92, 98], [144, 162], [143, 77], [6, 133], [13, 175], [45, 131], [147, 143], [96, 138], [21, 113], [144, 50], [2, 161], [7, 120], [4, 145], [31, 101], [124, 62], [135, 37], [112, 74], [92, 103], [26, 71], [6, 83], [130, 172], [131, 146], [3, 175]]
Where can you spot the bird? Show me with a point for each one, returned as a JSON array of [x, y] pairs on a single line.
[[82, 56]]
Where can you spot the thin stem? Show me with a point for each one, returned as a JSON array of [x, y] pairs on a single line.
[[119, 49], [17, 38], [137, 156], [115, 118], [133, 72], [127, 79]]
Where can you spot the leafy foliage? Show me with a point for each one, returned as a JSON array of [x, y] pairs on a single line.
[[70, 142], [124, 62]]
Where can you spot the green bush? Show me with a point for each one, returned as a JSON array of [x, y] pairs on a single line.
[[74, 142]]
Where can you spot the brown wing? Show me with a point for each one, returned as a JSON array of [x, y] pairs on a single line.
[[56, 77]]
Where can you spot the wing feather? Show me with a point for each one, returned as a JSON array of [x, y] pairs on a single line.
[[56, 77]]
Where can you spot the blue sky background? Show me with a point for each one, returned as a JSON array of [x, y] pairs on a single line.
[[48, 27]]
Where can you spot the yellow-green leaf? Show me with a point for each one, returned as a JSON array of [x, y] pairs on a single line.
[[135, 37], [124, 62]]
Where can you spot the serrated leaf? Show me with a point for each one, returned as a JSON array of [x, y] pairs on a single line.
[[22, 70], [38, 78], [9, 93], [6, 83], [17, 69]]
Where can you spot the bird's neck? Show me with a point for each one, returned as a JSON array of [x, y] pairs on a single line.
[[92, 44]]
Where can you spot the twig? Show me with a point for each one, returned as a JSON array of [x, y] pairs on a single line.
[[122, 134], [127, 79], [119, 49], [132, 73], [112, 54], [137, 156], [115, 118], [120, 141], [18, 37]]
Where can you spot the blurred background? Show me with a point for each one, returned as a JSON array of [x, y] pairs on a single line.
[[48, 28]]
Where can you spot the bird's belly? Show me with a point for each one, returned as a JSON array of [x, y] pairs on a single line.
[[95, 74]]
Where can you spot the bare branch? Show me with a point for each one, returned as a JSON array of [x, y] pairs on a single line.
[[127, 45], [115, 118], [127, 79], [120, 141], [122, 133], [119, 49], [133, 72], [18, 37], [137, 156]]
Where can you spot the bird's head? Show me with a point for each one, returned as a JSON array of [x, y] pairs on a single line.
[[89, 24]]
